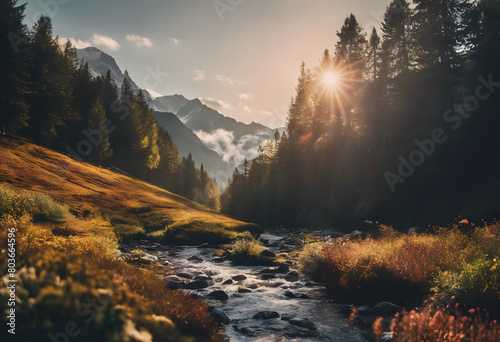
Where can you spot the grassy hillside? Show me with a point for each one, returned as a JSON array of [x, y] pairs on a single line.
[[135, 208]]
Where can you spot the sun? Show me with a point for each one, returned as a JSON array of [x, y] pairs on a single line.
[[331, 79]]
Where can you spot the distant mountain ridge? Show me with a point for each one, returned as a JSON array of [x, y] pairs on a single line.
[[232, 139], [227, 142], [187, 142]]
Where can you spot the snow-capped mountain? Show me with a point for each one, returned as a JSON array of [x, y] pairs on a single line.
[[99, 64], [232, 141]]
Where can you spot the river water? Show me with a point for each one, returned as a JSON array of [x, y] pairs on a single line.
[[264, 295]]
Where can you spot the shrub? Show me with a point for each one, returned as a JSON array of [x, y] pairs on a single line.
[[54, 289], [247, 252], [458, 260], [475, 284], [437, 324], [310, 258], [38, 206]]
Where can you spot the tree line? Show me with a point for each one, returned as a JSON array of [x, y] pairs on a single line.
[[398, 125], [50, 97]]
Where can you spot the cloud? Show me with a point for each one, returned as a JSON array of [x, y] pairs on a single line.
[[79, 44], [227, 80], [216, 104], [248, 96], [176, 41], [232, 150], [199, 75], [105, 41], [246, 108], [139, 41], [96, 40]]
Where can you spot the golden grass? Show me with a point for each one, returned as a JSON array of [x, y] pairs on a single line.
[[91, 244], [437, 324], [406, 268], [132, 205]]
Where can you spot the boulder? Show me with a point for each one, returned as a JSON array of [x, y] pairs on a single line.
[[195, 258], [283, 268], [202, 277], [228, 282], [290, 294], [174, 283], [220, 317], [303, 323], [243, 290], [239, 277], [253, 286], [292, 276], [267, 276], [184, 275], [199, 284], [218, 295], [266, 315]]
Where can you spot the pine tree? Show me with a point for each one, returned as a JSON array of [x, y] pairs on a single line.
[[350, 50], [299, 118], [14, 60], [374, 52], [96, 123], [396, 27], [442, 27], [51, 98]]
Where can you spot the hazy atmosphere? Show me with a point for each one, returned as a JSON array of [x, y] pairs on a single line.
[[250, 171], [232, 57]]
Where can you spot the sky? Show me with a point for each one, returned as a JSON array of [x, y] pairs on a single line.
[[241, 57]]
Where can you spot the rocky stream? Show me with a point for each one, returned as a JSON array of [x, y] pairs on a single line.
[[256, 303]]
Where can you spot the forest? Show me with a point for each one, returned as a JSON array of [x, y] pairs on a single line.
[[398, 125], [49, 96]]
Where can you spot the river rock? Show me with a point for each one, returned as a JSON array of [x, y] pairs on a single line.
[[174, 282], [253, 286], [267, 253], [220, 317], [184, 275], [267, 276], [275, 284], [290, 294], [228, 282], [266, 315], [218, 295], [195, 258], [239, 277], [203, 277], [283, 268], [303, 323], [218, 260], [199, 284], [301, 333], [243, 290], [292, 276], [385, 309]]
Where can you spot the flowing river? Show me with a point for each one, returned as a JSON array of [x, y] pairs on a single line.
[[281, 308]]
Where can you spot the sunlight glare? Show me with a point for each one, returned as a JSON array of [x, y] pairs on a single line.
[[330, 79]]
